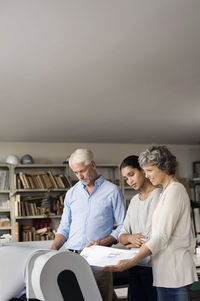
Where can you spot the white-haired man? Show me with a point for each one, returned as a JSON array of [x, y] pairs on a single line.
[[91, 207]]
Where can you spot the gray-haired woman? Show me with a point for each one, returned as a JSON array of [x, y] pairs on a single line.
[[171, 239]]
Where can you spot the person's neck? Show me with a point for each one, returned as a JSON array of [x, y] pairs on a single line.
[[145, 190], [167, 181], [90, 187]]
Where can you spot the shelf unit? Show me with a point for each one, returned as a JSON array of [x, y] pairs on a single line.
[[37, 198], [6, 220]]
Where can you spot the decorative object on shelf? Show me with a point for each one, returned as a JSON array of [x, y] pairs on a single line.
[[27, 159], [66, 160], [12, 159]]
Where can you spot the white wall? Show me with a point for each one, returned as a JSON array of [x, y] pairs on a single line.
[[104, 153]]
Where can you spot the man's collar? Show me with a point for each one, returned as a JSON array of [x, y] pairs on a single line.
[[99, 180]]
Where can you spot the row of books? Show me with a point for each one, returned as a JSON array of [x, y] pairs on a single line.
[[4, 180], [41, 180], [35, 206], [31, 234]]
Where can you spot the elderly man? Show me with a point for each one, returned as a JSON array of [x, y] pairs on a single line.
[[91, 207]]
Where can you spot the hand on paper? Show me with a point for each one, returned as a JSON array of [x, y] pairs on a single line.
[[121, 266], [94, 242]]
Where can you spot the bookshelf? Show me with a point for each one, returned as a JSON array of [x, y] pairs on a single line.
[[37, 198]]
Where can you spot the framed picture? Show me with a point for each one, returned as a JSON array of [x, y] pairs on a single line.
[[196, 169]]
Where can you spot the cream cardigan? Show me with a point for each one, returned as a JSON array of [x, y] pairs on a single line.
[[171, 240]]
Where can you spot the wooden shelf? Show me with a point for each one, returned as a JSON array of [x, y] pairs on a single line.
[[17, 191], [37, 217], [5, 210], [5, 228], [4, 191]]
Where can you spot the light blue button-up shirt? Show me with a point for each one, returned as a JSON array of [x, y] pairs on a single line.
[[87, 217]]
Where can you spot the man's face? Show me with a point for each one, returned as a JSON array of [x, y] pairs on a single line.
[[85, 173]]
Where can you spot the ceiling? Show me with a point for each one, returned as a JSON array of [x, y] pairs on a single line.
[[108, 71]]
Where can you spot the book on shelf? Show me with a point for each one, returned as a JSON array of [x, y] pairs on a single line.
[[17, 206], [52, 179], [22, 178], [59, 182], [17, 231], [4, 180], [18, 183]]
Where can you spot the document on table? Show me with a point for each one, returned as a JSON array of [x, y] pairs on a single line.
[[99, 256]]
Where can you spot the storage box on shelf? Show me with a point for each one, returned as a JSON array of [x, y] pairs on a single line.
[[38, 192]]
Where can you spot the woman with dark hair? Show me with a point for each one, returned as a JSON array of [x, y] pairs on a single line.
[[170, 244], [137, 227]]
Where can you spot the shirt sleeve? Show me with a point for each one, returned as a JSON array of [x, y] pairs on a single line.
[[65, 222], [119, 211], [173, 204]]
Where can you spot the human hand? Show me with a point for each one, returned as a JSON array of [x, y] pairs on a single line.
[[94, 242], [121, 266], [136, 240]]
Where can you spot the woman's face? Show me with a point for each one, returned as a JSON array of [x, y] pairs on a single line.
[[133, 176], [154, 174]]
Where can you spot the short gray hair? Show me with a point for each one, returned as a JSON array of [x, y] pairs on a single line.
[[159, 156], [81, 155]]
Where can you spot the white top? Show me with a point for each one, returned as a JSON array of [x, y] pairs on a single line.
[[171, 240], [138, 217]]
